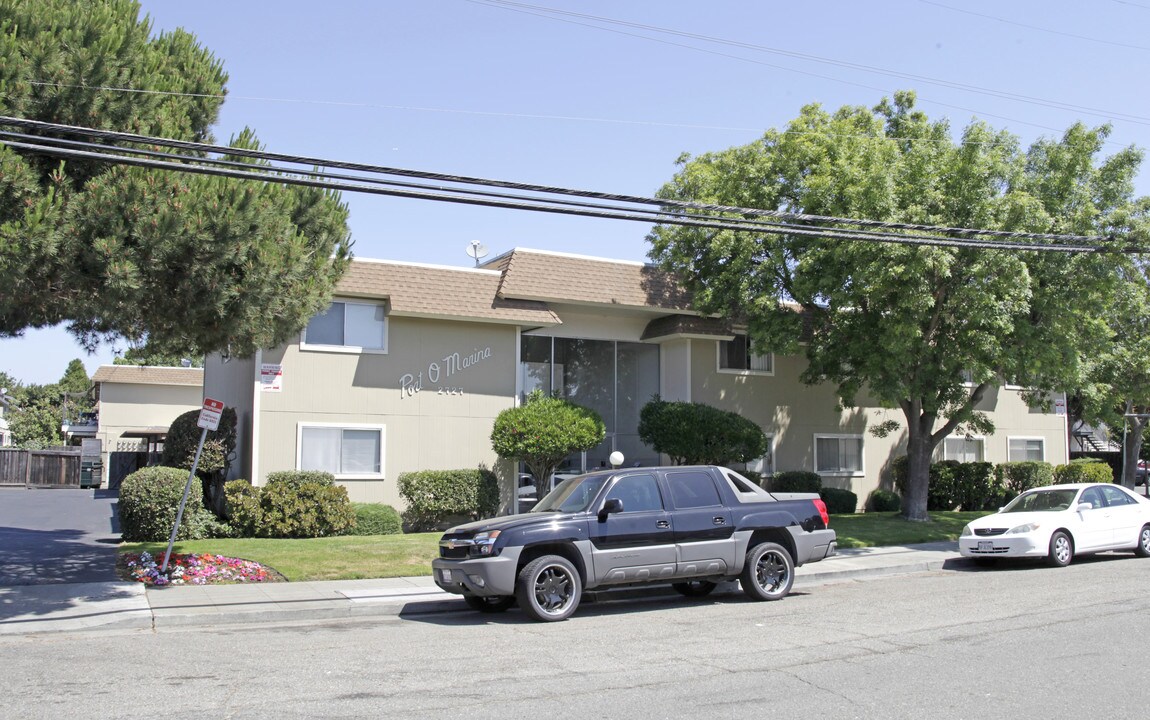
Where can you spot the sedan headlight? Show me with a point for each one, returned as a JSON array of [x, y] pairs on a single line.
[[1023, 529], [967, 532], [484, 543]]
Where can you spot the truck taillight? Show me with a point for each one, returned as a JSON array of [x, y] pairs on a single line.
[[822, 508]]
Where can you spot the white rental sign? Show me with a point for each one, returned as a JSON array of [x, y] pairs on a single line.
[[210, 414]]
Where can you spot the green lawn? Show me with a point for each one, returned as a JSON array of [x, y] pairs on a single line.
[[381, 556]]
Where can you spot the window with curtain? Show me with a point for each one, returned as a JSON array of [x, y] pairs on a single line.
[[735, 355], [962, 449], [346, 324], [839, 453], [341, 450], [1019, 449]]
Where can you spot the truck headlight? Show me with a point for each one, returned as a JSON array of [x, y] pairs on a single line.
[[484, 543]]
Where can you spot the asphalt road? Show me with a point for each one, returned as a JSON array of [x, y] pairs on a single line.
[[57, 536], [1011, 642]]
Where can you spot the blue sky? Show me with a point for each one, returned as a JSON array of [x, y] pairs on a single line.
[[608, 99]]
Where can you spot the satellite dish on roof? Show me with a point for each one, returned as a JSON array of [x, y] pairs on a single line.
[[477, 250]]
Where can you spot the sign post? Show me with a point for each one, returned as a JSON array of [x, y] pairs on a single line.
[[209, 420]]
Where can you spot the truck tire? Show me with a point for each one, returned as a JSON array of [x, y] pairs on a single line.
[[489, 603], [549, 588], [768, 573]]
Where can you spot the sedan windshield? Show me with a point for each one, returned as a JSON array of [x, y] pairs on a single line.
[[572, 495], [1042, 501]]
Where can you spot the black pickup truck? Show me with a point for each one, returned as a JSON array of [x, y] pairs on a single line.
[[687, 526]]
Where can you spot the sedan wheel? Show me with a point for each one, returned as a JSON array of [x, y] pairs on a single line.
[[1061, 550], [1143, 549]]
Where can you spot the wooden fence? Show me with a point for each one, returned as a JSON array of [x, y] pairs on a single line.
[[58, 468]]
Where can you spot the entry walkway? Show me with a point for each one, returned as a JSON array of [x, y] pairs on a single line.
[[120, 606]]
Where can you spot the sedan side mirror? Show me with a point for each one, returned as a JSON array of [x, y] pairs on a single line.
[[613, 505], [1083, 506]]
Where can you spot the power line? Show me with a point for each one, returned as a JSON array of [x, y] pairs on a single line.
[[1033, 27], [667, 212]]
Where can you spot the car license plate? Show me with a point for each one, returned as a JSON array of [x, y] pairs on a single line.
[[445, 575], [985, 546]]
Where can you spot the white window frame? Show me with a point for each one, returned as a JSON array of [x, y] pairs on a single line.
[[765, 465], [1012, 438], [770, 357], [301, 426], [841, 471], [353, 349], [981, 440]]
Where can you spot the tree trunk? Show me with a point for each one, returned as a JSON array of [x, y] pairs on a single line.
[[1131, 449], [918, 451]]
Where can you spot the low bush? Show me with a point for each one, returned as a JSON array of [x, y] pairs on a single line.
[[435, 496], [291, 505], [976, 486], [376, 519], [796, 481], [1083, 471], [884, 501], [148, 502], [299, 477], [1018, 477], [839, 501]]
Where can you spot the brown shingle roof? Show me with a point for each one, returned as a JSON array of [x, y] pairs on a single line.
[[149, 375], [559, 277], [440, 292]]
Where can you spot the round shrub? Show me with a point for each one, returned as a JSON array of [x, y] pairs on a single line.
[[797, 481], [242, 504], [884, 501], [376, 519], [434, 497], [1088, 471], [1018, 477], [307, 509], [299, 477], [149, 500], [839, 501]]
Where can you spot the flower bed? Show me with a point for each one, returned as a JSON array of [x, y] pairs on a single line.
[[193, 569]]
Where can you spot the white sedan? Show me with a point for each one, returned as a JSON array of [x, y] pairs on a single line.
[[1060, 521]]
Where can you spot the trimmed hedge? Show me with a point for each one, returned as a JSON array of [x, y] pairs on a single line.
[[294, 504], [1083, 471], [884, 501], [148, 502], [796, 481], [955, 485], [1018, 477], [376, 519], [839, 501], [435, 496]]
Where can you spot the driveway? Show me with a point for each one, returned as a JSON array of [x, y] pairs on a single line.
[[57, 536]]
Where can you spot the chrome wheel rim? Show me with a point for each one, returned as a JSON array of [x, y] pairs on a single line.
[[553, 590], [771, 572]]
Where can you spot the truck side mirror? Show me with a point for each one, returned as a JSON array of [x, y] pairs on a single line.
[[613, 505]]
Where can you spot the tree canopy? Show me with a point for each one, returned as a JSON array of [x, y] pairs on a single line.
[[697, 434], [924, 328], [544, 430], [187, 263]]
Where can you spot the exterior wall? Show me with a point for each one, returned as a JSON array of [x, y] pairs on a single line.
[[439, 418], [794, 413], [233, 382], [132, 406]]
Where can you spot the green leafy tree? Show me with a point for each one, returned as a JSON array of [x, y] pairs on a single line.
[[75, 392], [146, 355], [697, 434], [909, 325], [192, 264], [36, 417], [1116, 379], [544, 430]]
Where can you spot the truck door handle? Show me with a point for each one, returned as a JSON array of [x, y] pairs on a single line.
[[719, 520], [662, 524]]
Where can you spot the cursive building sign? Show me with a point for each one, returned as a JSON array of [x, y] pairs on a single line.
[[441, 374]]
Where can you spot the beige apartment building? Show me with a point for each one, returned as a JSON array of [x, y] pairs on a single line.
[[411, 364], [137, 405]]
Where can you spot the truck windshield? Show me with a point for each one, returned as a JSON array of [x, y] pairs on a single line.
[[573, 494]]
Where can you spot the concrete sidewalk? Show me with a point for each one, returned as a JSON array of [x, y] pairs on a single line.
[[121, 606]]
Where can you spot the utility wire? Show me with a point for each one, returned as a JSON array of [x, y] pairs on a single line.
[[315, 178], [545, 189]]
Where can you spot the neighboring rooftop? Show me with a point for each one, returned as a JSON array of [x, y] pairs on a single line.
[[148, 375]]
